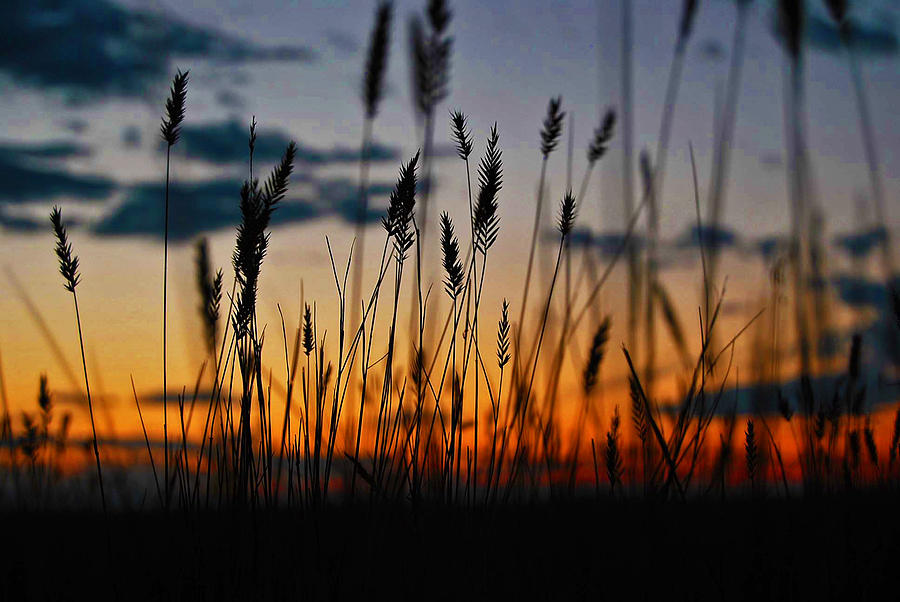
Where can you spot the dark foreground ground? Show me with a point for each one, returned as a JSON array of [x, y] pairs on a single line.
[[844, 548]]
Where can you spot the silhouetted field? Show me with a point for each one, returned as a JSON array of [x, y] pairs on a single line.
[[836, 548], [434, 461]]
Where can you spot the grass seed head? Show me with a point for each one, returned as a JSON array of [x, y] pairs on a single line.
[[602, 137], [490, 181], [377, 58], [453, 282], [503, 338], [459, 128], [567, 213], [175, 109], [68, 261], [553, 123]]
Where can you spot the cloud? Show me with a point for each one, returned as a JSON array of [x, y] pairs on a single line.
[[342, 42], [712, 50], [131, 136], [208, 206], [860, 244], [193, 208], [45, 150], [226, 142], [870, 39], [859, 292], [607, 244], [710, 236], [762, 398], [770, 247], [230, 99], [90, 48], [29, 175], [76, 125], [341, 197], [22, 223]]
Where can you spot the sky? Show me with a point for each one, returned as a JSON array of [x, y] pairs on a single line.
[[84, 82]]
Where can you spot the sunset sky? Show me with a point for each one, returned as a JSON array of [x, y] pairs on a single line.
[[84, 84]]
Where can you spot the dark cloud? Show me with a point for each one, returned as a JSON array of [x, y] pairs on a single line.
[[341, 197], [208, 206], [131, 136], [193, 208], [20, 223], [860, 244], [226, 142], [711, 238], [859, 292], [342, 42], [868, 38], [45, 150], [872, 39], [90, 48], [29, 174], [763, 397], [76, 125], [607, 244], [712, 50], [230, 99], [769, 247]]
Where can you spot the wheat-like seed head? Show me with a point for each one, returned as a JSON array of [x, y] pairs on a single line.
[[453, 282], [790, 24], [45, 401], [751, 451], [68, 262], [490, 181], [399, 216], [871, 447], [252, 241], [459, 128], [838, 11], [175, 108], [613, 456], [567, 213], [439, 15], [309, 340], [784, 407], [854, 445], [210, 288], [503, 336], [251, 141], [377, 58], [688, 15], [638, 412], [595, 356], [552, 129], [602, 136], [430, 58]]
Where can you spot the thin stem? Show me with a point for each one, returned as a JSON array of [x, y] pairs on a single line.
[[165, 330], [87, 387]]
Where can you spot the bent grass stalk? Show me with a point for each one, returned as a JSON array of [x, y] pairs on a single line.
[[68, 268]]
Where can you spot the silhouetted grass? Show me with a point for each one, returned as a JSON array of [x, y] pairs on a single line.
[[401, 505]]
